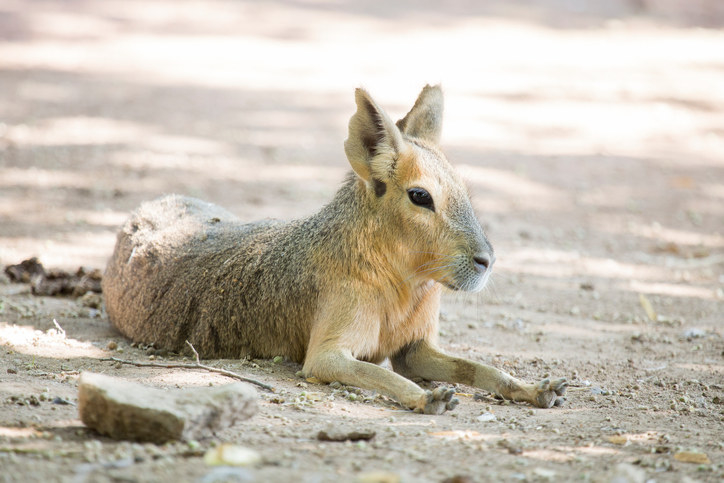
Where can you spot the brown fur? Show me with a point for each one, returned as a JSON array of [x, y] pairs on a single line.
[[340, 291]]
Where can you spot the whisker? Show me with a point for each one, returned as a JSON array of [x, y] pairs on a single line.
[[433, 269], [506, 276], [493, 289], [428, 271], [433, 253], [428, 263]]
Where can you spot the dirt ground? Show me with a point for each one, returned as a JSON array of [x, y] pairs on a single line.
[[592, 138]]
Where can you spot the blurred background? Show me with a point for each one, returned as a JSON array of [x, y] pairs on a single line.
[[591, 132]]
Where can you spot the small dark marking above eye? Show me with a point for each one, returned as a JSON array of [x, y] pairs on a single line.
[[420, 197], [379, 186]]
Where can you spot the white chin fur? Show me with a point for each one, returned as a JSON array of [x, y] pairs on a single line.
[[480, 282]]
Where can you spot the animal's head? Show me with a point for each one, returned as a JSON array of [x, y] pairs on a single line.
[[417, 198]]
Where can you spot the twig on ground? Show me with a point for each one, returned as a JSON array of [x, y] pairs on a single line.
[[195, 365], [196, 354], [60, 329]]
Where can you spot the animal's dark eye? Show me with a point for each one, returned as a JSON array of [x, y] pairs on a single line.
[[421, 197]]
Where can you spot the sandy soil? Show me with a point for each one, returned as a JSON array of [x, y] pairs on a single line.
[[592, 138]]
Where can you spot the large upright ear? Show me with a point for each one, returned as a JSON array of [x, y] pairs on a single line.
[[424, 121], [373, 142]]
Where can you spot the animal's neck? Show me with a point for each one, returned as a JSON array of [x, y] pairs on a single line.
[[351, 234]]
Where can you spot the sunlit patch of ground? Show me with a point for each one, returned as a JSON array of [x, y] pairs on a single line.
[[49, 343]]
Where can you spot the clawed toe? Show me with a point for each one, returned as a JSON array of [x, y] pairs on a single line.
[[544, 384], [549, 390], [441, 394], [559, 386], [440, 400]]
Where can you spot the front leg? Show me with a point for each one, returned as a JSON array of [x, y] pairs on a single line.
[[422, 359], [336, 364]]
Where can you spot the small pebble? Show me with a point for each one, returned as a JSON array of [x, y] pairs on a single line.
[[545, 474], [486, 417], [63, 402], [112, 345], [226, 474], [511, 447], [231, 455], [694, 333]]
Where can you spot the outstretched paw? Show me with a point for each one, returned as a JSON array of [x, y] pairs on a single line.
[[547, 392], [440, 400]]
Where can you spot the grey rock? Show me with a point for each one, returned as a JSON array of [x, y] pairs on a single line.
[[127, 410]]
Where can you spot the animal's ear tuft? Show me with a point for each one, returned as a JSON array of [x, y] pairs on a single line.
[[371, 135], [424, 121]]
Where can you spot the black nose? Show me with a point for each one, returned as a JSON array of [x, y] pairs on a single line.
[[482, 261]]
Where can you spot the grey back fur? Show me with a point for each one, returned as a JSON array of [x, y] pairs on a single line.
[[184, 269]]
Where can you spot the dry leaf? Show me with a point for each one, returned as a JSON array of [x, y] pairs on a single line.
[[620, 440], [668, 247], [692, 457], [648, 308], [314, 380], [335, 433], [683, 182], [379, 477]]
